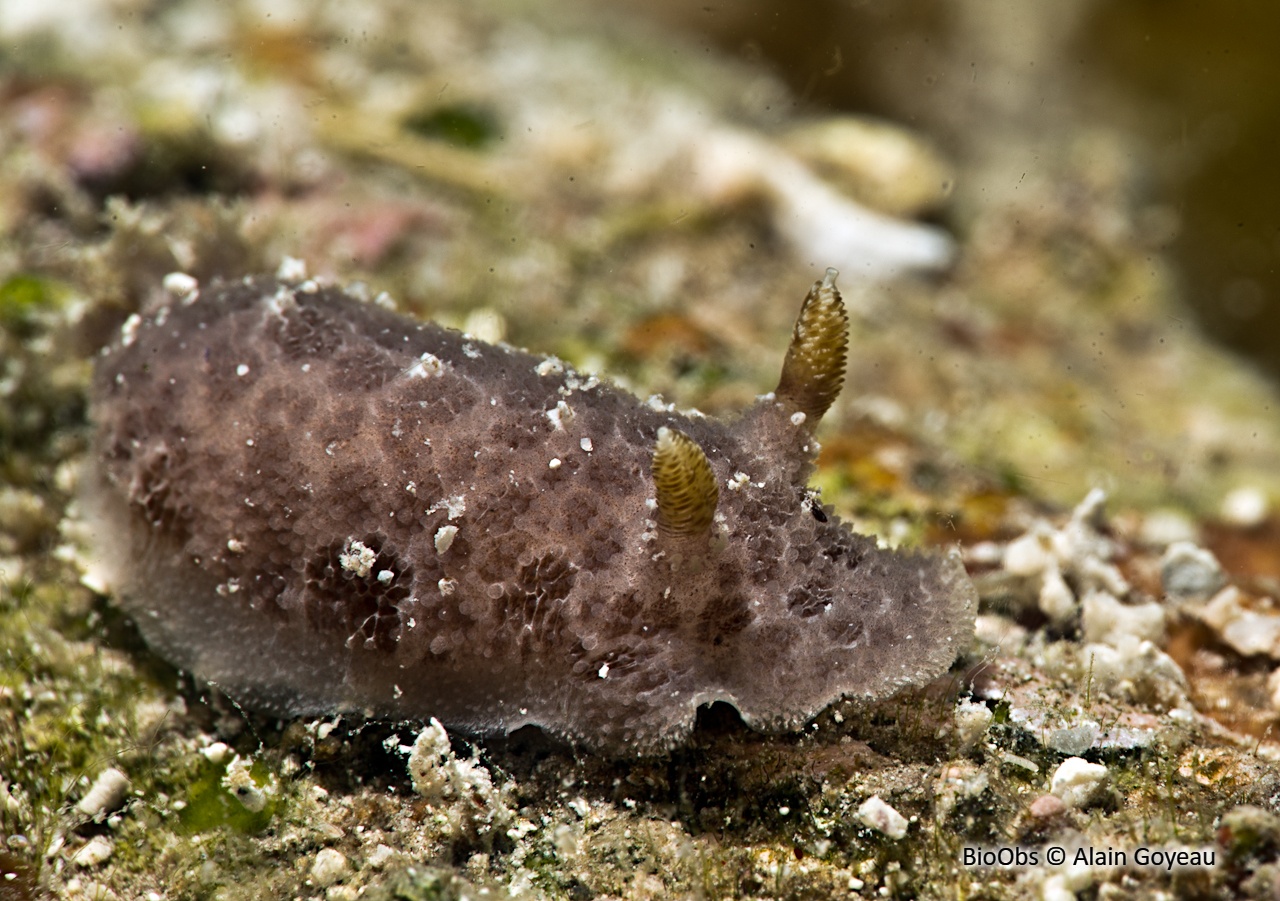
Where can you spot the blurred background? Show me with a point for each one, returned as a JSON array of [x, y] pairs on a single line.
[[1194, 86]]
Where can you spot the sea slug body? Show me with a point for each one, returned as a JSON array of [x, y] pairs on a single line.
[[319, 505]]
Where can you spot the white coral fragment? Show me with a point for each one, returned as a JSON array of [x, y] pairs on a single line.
[[462, 789], [816, 219], [1247, 631], [180, 284], [240, 782], [291, 269], [1079, 783], [444, 538], [1135, 668], [561, 416], [357, 559], [329, 866], [106, 794], [971, 722], [1078, 551], [96, 851], [129, 331], [550, 366], [1108, 621], [1188, 572], [876, 814], [428, 366], [1245, 508]]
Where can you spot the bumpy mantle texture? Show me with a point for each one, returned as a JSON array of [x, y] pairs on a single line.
[[319, 505]]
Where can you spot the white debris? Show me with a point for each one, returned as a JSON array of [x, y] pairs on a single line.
[[1135, 669], [1107, 620], [1057, 887], [1273, 688], [328, 867], [1245, 508], [427, 366], [1073, 739], [958, 782], [550, 366], [972, 721], [240, 782], [291, 270], [380, 856], [876, 814], [106, 794], [999, 632], [1078, 782], [1246, 631], [129, 330], [817, 220], [357, 559], [180, 284], [983, 553], [486, 324], [461, 788], [1047, 556], [1161, 528], [586, 445], [561, 415], [444, 538], [95, 851], [1031, 554], [883, 164], [454, 506], [218, 752], [1189, 572], [1019, 761], [284, 302], [1056, 598], [9, 804]]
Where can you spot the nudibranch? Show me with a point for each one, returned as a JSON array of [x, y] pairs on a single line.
[[320, 506]]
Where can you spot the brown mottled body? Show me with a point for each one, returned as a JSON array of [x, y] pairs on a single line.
[[320, 505]]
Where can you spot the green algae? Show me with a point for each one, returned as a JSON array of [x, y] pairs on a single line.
[[24, 297], [211, 804], [469, 126]]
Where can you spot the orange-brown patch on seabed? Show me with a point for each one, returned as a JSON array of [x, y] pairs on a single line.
[[875, 460], [666, 334], [280, 50], [869, 456], [1226, 687], [1248, 553], [983, 515]]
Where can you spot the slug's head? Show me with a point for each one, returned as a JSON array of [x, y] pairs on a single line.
[[789, 608]]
